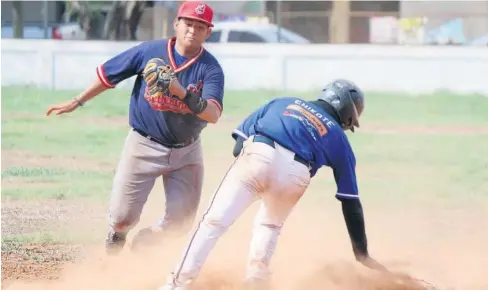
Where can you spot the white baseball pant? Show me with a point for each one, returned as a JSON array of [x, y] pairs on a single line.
[[259, 172]]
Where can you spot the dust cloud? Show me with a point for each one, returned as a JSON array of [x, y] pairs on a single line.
[[313, 253]]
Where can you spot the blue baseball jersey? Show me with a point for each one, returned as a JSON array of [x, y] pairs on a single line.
[[161, 116], [309, 132]]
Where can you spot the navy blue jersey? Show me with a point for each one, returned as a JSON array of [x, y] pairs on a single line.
[[166, 118], [311, 133]]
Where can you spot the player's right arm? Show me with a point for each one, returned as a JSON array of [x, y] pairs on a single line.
[[109, 74], [344, 168]]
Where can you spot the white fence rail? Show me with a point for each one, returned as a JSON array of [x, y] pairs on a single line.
[[414, 69]]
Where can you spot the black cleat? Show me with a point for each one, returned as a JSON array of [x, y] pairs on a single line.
[[114, 243]]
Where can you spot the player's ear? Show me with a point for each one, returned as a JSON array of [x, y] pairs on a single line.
[[209, 31], [175, 23]]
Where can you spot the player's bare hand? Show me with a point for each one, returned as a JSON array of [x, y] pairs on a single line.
[[372, 264], [175, 88], [66, 107]]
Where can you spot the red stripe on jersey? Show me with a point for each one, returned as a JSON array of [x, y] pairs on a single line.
[[103, 78], [216, 103], [187, 63]]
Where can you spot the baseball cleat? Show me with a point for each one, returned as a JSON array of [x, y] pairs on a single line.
[[114, 243]]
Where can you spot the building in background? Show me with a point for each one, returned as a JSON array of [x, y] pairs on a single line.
[[393, 22], [55, 19], [457, 22], [33, 11], [386, 22], [32, 17], [331, 21]]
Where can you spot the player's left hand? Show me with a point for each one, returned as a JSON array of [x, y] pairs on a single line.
[[158, 76]]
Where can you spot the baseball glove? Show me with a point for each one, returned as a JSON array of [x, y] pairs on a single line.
[[158, 76]]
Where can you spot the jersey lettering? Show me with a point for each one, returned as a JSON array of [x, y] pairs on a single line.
[[328, 122], [314, 120], [162, 102]]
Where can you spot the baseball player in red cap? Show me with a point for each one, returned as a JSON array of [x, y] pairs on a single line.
[[167, 113]]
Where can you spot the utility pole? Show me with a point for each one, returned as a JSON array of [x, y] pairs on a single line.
[[45, 15], [339, 21], [18, 19], [278, 19]]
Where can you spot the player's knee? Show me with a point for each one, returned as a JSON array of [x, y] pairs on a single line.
[[271, 226], [216, 224]]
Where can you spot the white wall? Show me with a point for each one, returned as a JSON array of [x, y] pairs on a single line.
[[71, 65]]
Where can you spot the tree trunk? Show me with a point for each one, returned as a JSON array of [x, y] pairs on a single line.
[[18, 19], [135, 9], [114, 21]]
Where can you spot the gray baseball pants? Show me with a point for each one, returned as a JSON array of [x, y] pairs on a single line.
[[141, 163]]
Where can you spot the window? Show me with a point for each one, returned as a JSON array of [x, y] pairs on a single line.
[[375, 6], [244, 36], [214, 37]]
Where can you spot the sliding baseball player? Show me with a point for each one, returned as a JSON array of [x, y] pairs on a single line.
[[279, 148]]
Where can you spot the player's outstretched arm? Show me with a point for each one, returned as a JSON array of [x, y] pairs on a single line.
[[95, 89], [120, 67], [354, 217]]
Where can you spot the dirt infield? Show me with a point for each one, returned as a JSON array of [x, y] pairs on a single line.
[[37, 261], [441, 245], [316, 256]]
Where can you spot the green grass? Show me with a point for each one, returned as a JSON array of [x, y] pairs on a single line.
[[398, 167], [433, 109], [85, 135], [35, 102], [57, 183], [444, 171], [64, 136], [43, 251], [39, 237], [437, 108]]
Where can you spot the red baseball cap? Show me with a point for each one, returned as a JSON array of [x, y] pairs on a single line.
[[196, 10]]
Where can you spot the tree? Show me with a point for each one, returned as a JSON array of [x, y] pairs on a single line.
[[120, 23], [123, 19], [89, 16], [18, 19], [115, 16], [135, 9]]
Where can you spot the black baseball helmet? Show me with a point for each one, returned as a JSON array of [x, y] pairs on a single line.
[[346, 99]]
